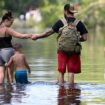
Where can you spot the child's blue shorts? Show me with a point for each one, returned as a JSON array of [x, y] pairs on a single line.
[[21, 76]]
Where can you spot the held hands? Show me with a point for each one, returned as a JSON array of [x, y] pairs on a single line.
[[35, 36], [28, 36]]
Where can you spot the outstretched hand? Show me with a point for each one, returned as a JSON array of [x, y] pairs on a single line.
[[34, 36]]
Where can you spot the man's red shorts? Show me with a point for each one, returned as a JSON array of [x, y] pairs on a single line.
[[72, 62]]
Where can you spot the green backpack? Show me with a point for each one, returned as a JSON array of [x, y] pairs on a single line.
[[68, 39]]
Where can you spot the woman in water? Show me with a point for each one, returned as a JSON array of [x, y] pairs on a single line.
[[6, 48]]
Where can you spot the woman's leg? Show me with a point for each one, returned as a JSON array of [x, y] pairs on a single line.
[[2, 70], [6, 53], [10, 73]]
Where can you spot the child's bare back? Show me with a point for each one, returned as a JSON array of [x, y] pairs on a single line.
[[19, 61]]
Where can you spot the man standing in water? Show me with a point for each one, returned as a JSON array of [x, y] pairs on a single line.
[[67, 57]]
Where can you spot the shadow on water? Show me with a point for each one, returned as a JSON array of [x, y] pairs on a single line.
[[50, 93]]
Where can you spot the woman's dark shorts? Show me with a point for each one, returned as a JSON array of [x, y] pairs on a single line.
[[5, 54]]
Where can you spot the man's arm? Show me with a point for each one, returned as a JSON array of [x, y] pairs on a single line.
[[83, 38], [43, 35]]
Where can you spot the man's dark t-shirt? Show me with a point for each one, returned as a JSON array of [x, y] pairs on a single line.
[[80, 26]]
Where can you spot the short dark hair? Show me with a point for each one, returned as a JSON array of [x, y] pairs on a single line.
[[17, 46]]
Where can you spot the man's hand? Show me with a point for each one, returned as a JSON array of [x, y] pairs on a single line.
[[34, 36]]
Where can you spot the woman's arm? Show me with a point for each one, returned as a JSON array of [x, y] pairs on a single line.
[[17, 34], [43, 35]]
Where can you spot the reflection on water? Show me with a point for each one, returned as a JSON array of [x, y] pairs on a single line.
[[68, 95], [93, 94], [11, 94], [49, 93], [43, 69]]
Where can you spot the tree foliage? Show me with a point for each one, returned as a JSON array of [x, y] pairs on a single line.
[[91, 12], [1, 6]]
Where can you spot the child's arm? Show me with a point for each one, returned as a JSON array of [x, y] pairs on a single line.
[[29, 70], [9, 62]]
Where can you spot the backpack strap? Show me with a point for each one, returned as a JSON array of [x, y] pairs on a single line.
[[64, 21], [65, 25], [76, 21]]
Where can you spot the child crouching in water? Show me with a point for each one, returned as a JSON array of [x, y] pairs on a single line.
[[21, 66]]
